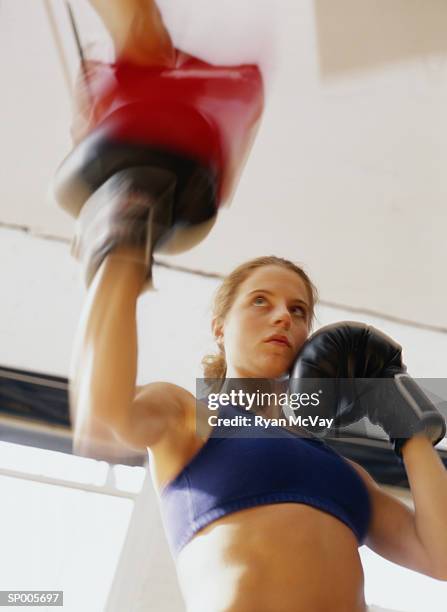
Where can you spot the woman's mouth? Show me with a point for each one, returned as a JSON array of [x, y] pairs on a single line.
[[279, 340]]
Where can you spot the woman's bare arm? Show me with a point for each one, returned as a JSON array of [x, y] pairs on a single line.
[[428, 481], [137, 30], [412, 538], [111, 416], [102, 381]]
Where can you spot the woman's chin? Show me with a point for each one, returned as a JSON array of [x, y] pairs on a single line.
[[274, 370]]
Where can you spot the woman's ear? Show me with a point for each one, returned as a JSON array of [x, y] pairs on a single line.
[[218, 333]]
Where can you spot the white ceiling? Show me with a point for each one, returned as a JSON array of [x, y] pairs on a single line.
[[347, 173]]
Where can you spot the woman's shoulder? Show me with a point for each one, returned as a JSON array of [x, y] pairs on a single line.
[[166, 400], [182, 414], [184, 434]]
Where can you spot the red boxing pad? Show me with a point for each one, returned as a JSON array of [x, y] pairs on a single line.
[[207, 113]]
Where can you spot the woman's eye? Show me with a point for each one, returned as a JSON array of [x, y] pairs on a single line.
[[259, 300], [299, 310]]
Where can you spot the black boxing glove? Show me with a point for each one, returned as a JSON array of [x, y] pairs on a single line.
[[129, 194], [401, 408], [126, 210], [360, 373]]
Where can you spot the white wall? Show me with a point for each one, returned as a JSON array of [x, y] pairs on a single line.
[[347, 174], [43, 293]]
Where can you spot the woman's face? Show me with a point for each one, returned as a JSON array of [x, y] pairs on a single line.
[[272, 302]]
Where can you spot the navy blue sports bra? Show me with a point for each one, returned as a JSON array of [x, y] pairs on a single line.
[[233, 473]]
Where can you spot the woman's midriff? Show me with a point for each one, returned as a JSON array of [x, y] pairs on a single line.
[[273, 558]]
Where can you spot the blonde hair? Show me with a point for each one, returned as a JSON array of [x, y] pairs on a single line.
[[215, 366]]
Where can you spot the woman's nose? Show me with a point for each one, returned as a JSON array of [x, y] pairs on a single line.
[[283, 317]]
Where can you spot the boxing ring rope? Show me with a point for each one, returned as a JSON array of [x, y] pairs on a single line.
[[60, 47], [58, 44]]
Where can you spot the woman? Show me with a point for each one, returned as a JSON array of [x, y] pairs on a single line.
[[270, 556], [267, 554]]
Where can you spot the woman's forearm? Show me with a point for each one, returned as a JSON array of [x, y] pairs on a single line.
[[137, 30], [104, 360], [428, 481]]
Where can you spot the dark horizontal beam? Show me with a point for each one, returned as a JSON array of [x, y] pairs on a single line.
[[35, 409]]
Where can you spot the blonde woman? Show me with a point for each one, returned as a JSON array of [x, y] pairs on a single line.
[[242, 541]]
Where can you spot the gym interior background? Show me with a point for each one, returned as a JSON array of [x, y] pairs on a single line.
[[346, 176]]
